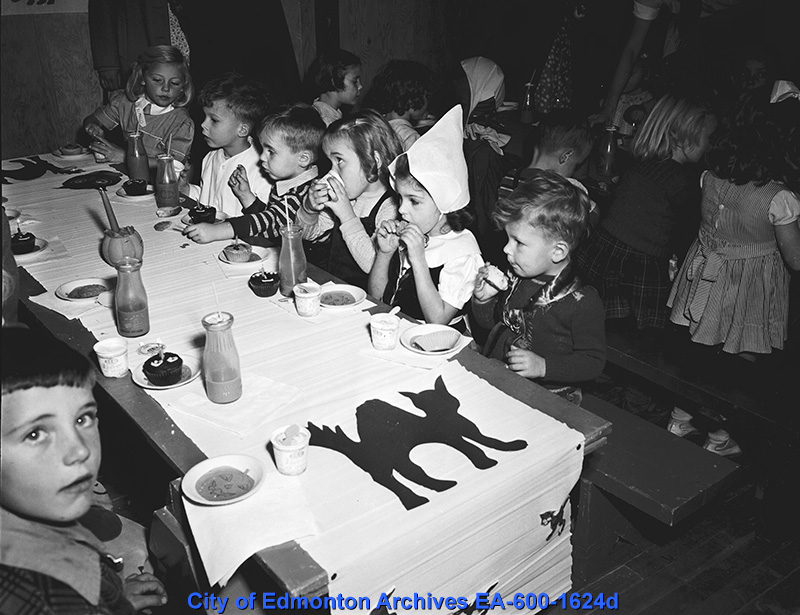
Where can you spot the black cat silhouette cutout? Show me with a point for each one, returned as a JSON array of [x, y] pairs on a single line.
[[388, 435], [555, 520], [33, 168]]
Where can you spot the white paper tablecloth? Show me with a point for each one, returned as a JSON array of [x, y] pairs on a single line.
[[485, 530]]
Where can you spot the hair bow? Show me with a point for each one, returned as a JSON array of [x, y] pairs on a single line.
[[783, 90]]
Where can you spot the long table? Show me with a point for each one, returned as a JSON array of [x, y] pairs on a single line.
[[181, 279]]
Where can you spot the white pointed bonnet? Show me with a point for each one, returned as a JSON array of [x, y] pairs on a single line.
[[436, 160]]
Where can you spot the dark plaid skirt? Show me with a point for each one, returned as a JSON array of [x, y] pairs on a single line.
[[630, 282]]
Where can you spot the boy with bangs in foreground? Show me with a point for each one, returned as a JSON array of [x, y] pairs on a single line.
[[49, 562]]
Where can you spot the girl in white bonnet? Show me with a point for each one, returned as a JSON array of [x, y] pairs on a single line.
[[427, 261]]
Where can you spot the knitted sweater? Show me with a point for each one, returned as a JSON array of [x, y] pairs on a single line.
[[656, 208], [266, 219], [569, 334]]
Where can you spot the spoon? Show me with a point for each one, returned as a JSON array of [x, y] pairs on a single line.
[[394, 310]]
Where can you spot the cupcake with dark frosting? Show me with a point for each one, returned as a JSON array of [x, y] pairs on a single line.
[[264, 284], [163, 369], [200, 213], [23, 243]]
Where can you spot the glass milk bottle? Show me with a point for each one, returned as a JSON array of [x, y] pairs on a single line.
[[130, 299], [221, 369], [166, 182], [607, 152], [136, 158], [292, 260], [526, 108]]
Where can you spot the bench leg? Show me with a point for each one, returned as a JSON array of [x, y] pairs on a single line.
[[603, 536]]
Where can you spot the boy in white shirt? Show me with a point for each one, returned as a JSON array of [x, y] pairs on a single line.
[[234, 107]]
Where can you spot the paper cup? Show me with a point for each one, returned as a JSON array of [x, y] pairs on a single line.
[[112, 354], [291, 458], [384, 329], [306, 299]]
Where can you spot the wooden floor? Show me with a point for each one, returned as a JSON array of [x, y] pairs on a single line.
[[716, 564]]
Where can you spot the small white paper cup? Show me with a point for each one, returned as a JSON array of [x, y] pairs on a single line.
[[291, 459], [112, 354], [306, 299], [384, 329]]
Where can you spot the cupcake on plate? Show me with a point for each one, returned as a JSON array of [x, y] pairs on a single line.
[[71, 149], [163, 369], [135, 187], [23, 243], [200, 213], [264, 284], [237, 252]]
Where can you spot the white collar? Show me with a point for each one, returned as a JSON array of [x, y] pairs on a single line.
[[142, 103], [284, 185]]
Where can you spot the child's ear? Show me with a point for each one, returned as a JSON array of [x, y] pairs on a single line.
[[565, 156], [560, 251], [305, 158], [243, 130], [378, 161]]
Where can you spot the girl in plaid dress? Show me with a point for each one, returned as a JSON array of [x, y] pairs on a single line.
[[653, 217]]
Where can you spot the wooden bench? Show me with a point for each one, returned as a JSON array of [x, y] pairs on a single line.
[[641, 483], [757, 403]]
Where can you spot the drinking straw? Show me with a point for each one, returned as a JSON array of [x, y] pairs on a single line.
[[533, 75], [216, 298], [169, 144], [288, 221]]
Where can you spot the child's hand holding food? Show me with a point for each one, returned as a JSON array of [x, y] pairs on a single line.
[[489, 282], [241, 186], [388, 235]]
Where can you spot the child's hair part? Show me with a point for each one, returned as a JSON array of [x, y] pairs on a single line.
[[32, 359], [547, 202], [327, 71], [246, 98], [159, 54], [564, 130], [457, 220], [759, 142], [300, 126], [401, 86], [369, 134], [673, 123]]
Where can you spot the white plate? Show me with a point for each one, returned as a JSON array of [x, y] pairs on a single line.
[[355, 292], [12, 214], [191, 370], [407, 338], [244, 463], [258, 256], [85, 153], [150, 194], [221, 216], [41, 246], [63, 291]]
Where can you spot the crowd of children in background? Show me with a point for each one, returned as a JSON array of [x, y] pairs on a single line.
[[702, 231]]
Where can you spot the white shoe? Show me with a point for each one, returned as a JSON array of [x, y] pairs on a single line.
[[720, 443], [681, 428]]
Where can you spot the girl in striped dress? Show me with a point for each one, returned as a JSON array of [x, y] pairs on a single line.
[[733, 287]]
